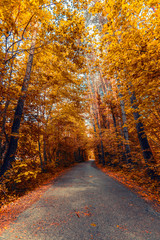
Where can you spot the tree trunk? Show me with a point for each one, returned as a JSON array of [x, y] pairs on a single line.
[[146, 150], [119, 144], [125, 132], [125, 129], [40, 157], [95, 113], [3, 146], [10, 155], [44, 151]]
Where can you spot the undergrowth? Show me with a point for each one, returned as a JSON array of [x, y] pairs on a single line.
[[24, 177]]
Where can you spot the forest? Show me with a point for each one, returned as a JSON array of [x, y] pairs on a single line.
[[78, 80]]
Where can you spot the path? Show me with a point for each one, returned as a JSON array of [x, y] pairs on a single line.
[[85, 204]]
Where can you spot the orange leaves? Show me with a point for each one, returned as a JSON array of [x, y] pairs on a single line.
[[85, 212], [93, 225], [137, 181], [129, 46], [122, 228]]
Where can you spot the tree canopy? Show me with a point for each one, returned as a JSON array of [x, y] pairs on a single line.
[[78, 76]]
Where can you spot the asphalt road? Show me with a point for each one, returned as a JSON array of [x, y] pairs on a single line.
[[85, 204]]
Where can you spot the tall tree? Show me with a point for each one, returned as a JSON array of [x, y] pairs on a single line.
[[10, 154]]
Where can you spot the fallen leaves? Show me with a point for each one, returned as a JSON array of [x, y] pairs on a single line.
[[78, 214], [126, 179], [93, 225], [84, 212], [122, 228], [8, 213]]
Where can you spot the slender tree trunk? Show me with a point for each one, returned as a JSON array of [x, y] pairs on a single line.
[[114, 120], [125, 132], [125, 129], [44, 151], [98, 148], [146, 150], [58, 157], [3, 146], [50, 157], [98, 120], [95, 114], [106, 86], [40, 157], [75, 156], [11, 151]]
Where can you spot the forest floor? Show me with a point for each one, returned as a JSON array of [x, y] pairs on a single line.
[[143, 189]]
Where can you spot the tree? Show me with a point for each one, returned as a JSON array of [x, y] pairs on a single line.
[[58, 31], [126, 50]]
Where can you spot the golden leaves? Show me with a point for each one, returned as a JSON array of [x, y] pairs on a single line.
[[93, 225]]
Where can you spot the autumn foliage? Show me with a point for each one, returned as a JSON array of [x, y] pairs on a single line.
[[42, 97], [123, 78], [78, 72]]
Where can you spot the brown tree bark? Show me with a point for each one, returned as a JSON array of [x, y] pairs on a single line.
[[145, 147], [125, 129]]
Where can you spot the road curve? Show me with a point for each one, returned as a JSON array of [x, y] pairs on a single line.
[[85, 204]]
